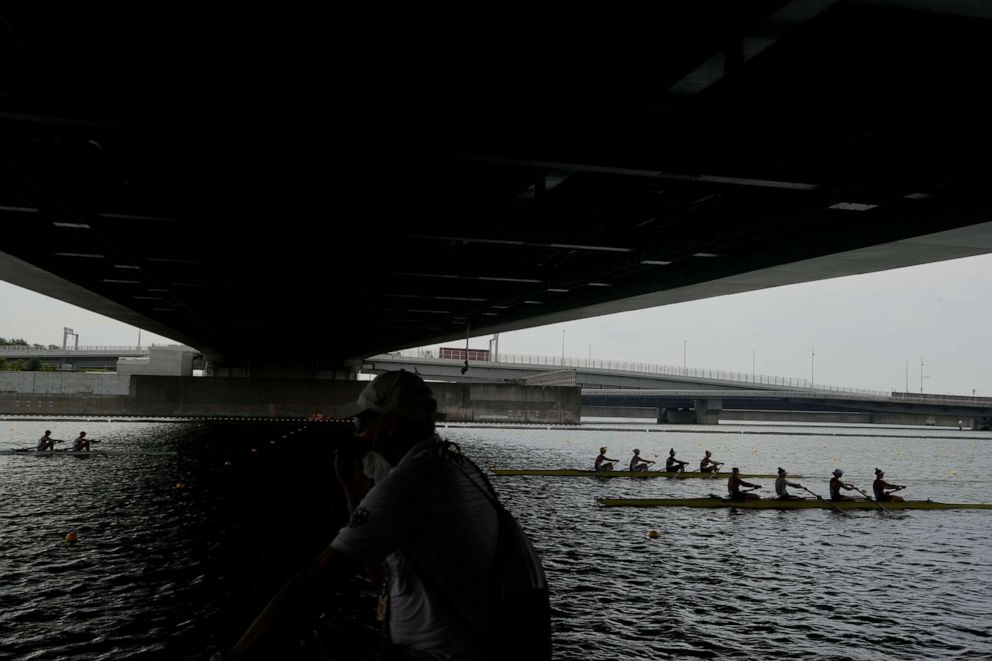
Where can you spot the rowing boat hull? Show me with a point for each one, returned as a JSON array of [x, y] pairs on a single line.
[[773, 504], [561, 472], [54, 453]]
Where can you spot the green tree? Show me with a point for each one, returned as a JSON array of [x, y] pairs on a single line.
[[34, 365], [3, 363], [14, 366]]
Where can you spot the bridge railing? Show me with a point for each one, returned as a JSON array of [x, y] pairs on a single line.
[[12, 349], [657, 370]]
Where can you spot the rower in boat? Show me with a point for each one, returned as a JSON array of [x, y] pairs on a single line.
[[604, 463], [879, 486], [782, 484], [836, 484], [637, 464], [673, 465], [735, 483], [46, 442], [81, 444], [708, 465]]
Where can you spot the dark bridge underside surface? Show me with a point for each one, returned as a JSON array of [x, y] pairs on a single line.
[[354, 181]]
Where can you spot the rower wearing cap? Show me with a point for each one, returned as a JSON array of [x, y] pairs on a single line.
[[781, 485], [604, 463], [81, 444], [708, 465], [637, 464], [735, 483], [879, 486], [836, 484], [673, 465]]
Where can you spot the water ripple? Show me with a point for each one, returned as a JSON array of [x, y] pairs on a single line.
[[167, 573]]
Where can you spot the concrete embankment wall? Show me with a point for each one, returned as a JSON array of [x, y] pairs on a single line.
[[63, 383], [158, 396]]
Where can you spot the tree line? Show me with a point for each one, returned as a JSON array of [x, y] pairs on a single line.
[[30, 365]]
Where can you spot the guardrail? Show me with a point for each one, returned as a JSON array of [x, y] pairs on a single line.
[[21, 349], [651, 369]]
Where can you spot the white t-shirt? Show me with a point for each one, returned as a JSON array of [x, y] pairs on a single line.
[[437, 531]]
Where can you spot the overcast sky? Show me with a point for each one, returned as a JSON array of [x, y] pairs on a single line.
[[862, 329]]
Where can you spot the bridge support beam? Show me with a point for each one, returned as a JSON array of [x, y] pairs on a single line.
[[708, 411]]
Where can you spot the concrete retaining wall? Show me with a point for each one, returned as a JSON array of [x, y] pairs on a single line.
[[156, 396], [62, 383]]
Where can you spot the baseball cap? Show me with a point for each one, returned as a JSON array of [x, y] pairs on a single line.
[[402, 393]]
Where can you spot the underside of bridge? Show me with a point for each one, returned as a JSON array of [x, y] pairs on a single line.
[[345, 182]]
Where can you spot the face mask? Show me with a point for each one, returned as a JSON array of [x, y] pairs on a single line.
[[375, 466]]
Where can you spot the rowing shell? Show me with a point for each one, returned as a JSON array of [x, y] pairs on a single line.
[[562, 472], [82, 453], [55, 453], [798, 504]]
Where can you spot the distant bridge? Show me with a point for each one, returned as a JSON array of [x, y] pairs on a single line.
[[679, 395], [77, 359], [73, 359]]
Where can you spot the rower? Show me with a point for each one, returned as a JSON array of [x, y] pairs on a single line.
[[673, 465], [46, 442], [735, 483], [604, 463], [836, 485], [637, 464], [879, 486], [781, 485], [708, 465], [81, 444]]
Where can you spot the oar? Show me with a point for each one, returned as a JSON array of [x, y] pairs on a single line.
[[819, 497], [871, 499], [717, 470]]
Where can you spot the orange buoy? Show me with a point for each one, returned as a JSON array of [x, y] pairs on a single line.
[[654, 534], [72, 537]]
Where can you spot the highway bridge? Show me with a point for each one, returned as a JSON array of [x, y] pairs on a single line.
[[80, 358], [670, 394], [342, 181]]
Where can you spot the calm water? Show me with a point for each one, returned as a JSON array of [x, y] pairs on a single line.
[[179, 548]]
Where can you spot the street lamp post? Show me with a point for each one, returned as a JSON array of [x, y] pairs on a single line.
[[812, 357], [684, 370]]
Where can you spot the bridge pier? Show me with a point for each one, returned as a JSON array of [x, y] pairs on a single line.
[[703, 412], [708, 411]]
